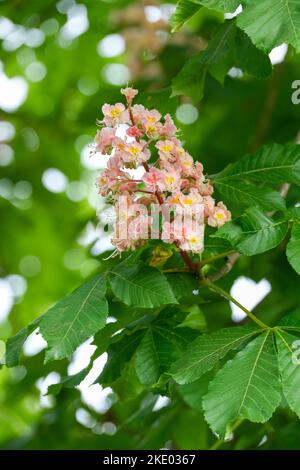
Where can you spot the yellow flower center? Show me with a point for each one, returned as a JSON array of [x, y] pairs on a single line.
[[169, 179], [115, 112], [134, 151]]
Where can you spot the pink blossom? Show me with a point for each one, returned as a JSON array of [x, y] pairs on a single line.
[[219, 216], [152, 177], [115, 114], [129, 93], [104, 140], [170, 180], [133, 132], [168, 129]]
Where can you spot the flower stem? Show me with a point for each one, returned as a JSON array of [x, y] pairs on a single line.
[[225, 294]]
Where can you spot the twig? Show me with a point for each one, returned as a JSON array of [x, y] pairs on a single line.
[[223, 293], [231, 260]]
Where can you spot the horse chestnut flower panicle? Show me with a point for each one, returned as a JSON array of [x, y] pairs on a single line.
[[172, 184]]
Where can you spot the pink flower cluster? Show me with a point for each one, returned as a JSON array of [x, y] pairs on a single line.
[[135, 137]]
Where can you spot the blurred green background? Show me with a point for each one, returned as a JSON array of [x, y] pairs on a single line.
[[59, 62]]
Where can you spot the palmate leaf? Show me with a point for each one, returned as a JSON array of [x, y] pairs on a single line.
[[293, 247], [288, 347], [141, 286], [75, 318], [254, 232], [271, 164], [247, 387], [206, 350]]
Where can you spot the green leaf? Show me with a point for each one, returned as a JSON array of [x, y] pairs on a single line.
[[273, 163], [75, 318], [229, 47], [195, 319], [247, 387], [260, 232], [238, 192], [228, 6], [190, 80], [270, 23], [193, 393], [15, 344], [69, 381], [185, 9], [141, 286], [291, 321], [119, 354], [293, 247], [288, 347], [161, 346], [206, 350], [182, 284]]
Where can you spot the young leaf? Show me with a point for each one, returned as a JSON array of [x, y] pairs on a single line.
[[293, 247], [247, 387], [270, 23], [206, 350], [141, 286], [289, 366], [185, 9], [75, 318], [273, 164]]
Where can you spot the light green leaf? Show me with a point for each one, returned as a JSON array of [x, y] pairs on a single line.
[[293, 247], [288, 347], [141, 286], [270, 23], [273, 163], [247, 387], [238, 192], [185, 9], [204, 352], [75, 318]]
